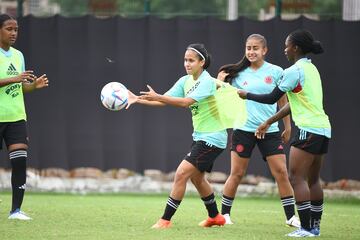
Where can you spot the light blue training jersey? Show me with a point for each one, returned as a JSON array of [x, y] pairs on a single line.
[[260, 81], [294, 77], [205, 87]]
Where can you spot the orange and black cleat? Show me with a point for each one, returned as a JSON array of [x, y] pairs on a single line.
[[161, 224], [218, 220]]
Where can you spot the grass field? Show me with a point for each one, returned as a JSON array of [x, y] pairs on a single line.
[[129, 216]]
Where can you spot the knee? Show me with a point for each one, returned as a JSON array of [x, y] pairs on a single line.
[[314, 182], [180, 176], [281, 174], [294, 179], [237, 176]]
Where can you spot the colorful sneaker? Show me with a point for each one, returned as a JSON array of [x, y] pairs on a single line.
[[218, 220], [19, 215], [315, 231], [300, 233], [293, 222], [161, 224], [227, 219]]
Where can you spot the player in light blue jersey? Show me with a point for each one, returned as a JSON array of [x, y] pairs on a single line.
[[192, 91], [254, 74], [302, 84]]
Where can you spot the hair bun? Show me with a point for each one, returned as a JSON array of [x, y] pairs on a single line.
[[317, 47]]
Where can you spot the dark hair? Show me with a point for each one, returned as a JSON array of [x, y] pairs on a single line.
[[234, 68], [4, 18], [305, 41], [201, 48]]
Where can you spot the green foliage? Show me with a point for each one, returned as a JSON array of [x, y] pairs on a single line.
[[72, 7], [124, 216]]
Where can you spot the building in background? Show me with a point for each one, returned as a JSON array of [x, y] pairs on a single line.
[[351, 10]]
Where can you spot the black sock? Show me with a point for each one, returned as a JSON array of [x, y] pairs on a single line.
[[288, 204], [316, 213], [18, 177], [170, 209], [304, 214], [210, 204], [226, 204]]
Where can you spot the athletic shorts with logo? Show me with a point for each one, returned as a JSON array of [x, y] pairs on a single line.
[[243, 143], [202, 155], [13, 132], [310, 142]]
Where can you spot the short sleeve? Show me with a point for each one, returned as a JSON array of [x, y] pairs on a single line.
[[177, 90], [206, 88], [290, 79], [278, 73]]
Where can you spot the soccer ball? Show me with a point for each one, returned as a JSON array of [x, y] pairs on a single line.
[[114, 96]]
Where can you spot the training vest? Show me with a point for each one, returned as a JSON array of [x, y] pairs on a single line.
[[12, 106], [223, 110], [307, 105]]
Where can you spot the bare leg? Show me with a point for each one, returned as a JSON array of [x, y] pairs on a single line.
[[300, 164], [184, 171], [277, 165], [239, 166]]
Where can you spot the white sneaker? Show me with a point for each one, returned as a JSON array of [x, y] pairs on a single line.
[[227, 219], [293, 222], [19, 215], [300, 233]]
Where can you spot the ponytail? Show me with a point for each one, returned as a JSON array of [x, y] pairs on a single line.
[[306, 42], [234, 69]]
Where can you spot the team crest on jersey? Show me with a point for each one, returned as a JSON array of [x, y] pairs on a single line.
[[12, 70], [268, 80]]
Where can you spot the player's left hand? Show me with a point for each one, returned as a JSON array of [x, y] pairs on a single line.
[[242, 93], [285, 135], [151, 95], [41, 82]]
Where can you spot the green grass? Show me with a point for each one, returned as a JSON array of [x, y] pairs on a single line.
[[129, 216]]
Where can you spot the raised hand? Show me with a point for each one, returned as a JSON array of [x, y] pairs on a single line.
[[41, 82], [132, 98], [151, 95], [25, 77]]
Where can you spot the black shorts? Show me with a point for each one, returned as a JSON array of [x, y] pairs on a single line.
[[243, 143], [13, 132], [310, 142], [203, 155]]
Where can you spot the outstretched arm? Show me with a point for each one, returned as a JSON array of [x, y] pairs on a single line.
[[132, 99], [269, 98], [261, 130], [151, 95]]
